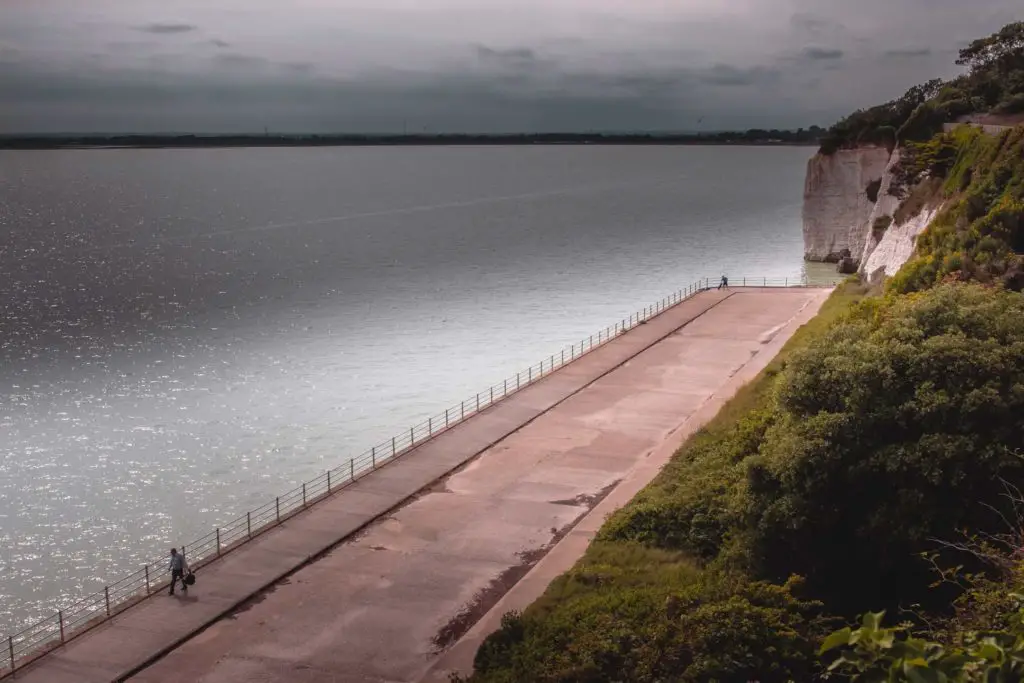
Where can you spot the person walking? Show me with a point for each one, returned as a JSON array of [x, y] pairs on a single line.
[[178, 567], [724, 283]]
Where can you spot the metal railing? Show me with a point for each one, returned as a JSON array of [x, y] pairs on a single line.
[[75, 619]]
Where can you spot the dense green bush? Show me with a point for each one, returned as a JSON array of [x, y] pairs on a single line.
[[720, 627], [893, 430]]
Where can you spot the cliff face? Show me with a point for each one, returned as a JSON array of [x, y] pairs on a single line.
[[836, 204], [839, 215], [896, 246]]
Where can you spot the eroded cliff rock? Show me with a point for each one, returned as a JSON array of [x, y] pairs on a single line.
[[896, 246], [837, 206], [843, 225]]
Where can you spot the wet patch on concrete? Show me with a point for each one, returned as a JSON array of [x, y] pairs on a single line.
[[488, 597], [256, 599]]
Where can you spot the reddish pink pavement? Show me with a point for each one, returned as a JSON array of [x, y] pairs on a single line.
[[418, 551]]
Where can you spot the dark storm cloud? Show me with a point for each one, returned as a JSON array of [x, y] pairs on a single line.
[[369, 65], [821, 53], [167, 29]]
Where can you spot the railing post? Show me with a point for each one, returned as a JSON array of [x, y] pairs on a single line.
[[412, 437], [248, 515], [765, 282], [505, 393], [217, 531], [147, 580], [517, 381], [478, 403], [328, 481], [304, 493], [351, 469], [277, 508], [394, 447], [446, 418], [529, 374], [10, 649], [373, 457], [492, 395], [430, 426], [106, 598], [462, 411]]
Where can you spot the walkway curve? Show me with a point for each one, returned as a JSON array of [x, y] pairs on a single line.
[[141, 635]]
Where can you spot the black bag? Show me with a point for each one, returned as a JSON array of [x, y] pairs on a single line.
[[190, 579]]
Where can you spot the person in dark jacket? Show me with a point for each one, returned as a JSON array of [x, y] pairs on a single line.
[[724, 283], [178, 567]]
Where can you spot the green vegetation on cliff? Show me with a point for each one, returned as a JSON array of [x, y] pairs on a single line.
[[979, 235], [876, 464], [994, 83]]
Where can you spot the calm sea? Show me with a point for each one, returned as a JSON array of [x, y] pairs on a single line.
[[186, 333]]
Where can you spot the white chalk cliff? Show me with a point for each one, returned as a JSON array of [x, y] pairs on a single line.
[[838, 214], [836, 205], [896, 246]]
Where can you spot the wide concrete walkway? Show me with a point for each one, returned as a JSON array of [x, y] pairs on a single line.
[[384, 604]]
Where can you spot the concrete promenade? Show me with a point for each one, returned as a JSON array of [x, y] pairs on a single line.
[[410, 558]]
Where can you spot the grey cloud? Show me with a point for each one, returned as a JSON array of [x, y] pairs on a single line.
[[514, 59], [217, 42], [821, 53], [304, 68], [909, 53], [235, 60], [810, 23], [728, 75], [167, 29]]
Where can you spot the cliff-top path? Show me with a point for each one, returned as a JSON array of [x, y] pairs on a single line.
[[483, 503]]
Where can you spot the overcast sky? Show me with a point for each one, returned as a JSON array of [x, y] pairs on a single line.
[[468, 65]]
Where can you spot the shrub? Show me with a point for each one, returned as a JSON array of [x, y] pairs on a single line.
[[875, 653], [893, 429], [1013, 104], [719, 628]]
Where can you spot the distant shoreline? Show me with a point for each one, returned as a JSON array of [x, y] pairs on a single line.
[[755, 138]]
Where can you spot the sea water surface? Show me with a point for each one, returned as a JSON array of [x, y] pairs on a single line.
[[187, 333]]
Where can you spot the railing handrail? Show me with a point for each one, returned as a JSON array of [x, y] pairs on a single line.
[[91, 610]]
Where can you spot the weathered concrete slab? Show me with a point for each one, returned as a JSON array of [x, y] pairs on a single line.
[[379, 606]]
